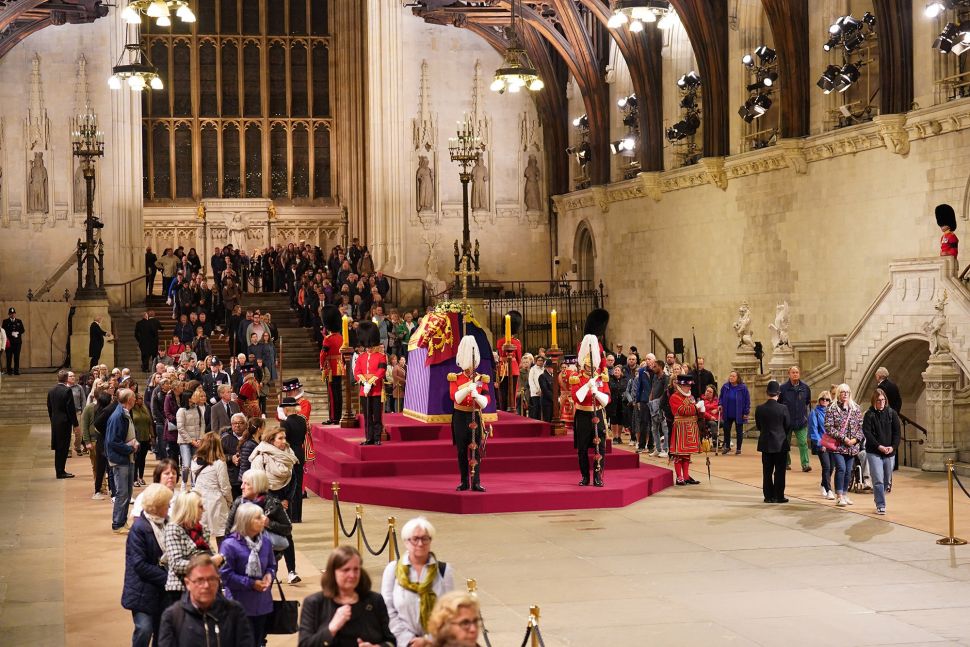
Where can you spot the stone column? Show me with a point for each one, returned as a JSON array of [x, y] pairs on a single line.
[[782, 359], [940, 377], [349, 111], [748, 368]]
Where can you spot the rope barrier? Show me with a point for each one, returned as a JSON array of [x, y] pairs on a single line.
[[956, 477], [339, 527], [532, 630], [387, 539], [951, 539], [473, 591]]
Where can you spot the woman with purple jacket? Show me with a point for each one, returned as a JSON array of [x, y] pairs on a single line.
[[735, 404], [250, 567]]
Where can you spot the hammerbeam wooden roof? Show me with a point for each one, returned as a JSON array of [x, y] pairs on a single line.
[[21, 18]]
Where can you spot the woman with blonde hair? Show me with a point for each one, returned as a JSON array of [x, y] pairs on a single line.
[[145, 577], [190, 424], [456, 619], [211, 477], [274, 456], [184, 537], [843, 423]]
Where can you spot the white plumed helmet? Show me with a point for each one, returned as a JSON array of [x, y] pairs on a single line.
[[589, 352], [468, 356]]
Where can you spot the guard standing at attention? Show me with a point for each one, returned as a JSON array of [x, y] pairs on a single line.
[[469, 392]]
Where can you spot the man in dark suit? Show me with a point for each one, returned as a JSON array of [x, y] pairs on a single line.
[[895, 400], [146, 334], [221, 413], [63, 417], [545, 392], [774, 424]]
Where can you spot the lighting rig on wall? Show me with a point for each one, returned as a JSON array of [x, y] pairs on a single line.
[[955, 37], [160, 10], [582, 151], [136, 68], [636, 13], [762, 65], [849, 34], [684, 130], [628, 143], [517, 71]]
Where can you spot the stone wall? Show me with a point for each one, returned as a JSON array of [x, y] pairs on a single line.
[[44, 81]]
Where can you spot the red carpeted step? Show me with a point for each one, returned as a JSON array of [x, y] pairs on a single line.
[[525, 469]]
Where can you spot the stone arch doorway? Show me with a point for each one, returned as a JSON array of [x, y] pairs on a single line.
[[585, 255]]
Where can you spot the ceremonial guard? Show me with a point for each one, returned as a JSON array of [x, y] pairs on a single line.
[[249, 392], [297, 429], [502, 371], [685, 437], [469, 392], [369, 374], [293, 388], [590, 394], [946, 219], [331, 365]]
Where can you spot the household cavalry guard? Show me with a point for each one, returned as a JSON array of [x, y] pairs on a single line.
[[369, 372], [469, 393], [331, 367], [590, 394]]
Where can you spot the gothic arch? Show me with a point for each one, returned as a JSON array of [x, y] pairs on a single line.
[[584, 254], [905, 357]]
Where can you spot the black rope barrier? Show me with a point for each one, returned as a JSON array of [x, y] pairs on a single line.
[[387, 539], [956, 478], [340, 517], [533, 627]]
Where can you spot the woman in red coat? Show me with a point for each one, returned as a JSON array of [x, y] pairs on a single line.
[[685, 438]]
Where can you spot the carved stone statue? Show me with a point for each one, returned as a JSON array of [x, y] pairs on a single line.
[[424, 184], [742, 327], [37, 201], [779, 329], [80, 191], [533, 197], [479, 186], [236, 227], [934, 329]]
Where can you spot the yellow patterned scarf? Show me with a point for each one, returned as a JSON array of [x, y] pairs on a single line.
[[425, 589]]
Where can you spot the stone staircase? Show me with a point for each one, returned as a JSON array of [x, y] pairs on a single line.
[[23, 398]]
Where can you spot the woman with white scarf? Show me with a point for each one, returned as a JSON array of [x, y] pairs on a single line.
[[250, 567], [274, 456], [144, 589], [412, 584]]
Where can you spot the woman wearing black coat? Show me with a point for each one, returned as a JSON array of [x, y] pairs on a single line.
[[144, 589], [882, 431]]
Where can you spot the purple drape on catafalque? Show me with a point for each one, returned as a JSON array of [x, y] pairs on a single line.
[[426, 394]]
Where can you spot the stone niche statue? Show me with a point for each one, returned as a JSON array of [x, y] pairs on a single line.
[[479, 186], [533, 197], [37, 195], [935, 329], [236, 229], [742, 327], [424, 186], [779, 329]]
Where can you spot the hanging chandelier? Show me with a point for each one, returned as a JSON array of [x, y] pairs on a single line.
[[160, 10], [636, 13], [517, 71], [135, 68]]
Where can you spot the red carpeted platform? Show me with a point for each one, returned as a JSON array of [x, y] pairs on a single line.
[[525, 469]]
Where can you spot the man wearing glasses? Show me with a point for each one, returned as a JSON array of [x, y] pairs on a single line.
[[202, 616]]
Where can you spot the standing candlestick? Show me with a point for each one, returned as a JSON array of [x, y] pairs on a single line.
[[554, 331], [508, 328], [344, 326]]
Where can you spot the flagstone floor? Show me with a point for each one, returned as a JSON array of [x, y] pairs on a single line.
[[705, 565]]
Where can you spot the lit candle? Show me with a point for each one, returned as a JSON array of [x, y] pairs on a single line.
[[553, 317], [345, 323], [508, 328]]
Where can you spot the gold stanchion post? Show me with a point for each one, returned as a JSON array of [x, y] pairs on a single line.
[[391, 532], [335, 489], [534, 623], [360, 530], [950, 540]]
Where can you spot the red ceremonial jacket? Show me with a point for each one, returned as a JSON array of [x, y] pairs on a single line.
[[681, 406], [516, 356], [948, 244], [589, 403], [459, 380], [370, 369], [330, 361]]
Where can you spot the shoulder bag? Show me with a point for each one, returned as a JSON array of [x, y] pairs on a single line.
[[829, 443], [284, 618]]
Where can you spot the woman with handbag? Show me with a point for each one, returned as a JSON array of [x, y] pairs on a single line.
[[346, 613], [184, 538], [211, 478], [190, 424], [412, 584], [844, 438], [816, 430], [255, 485], [250, 567], [881, 427]]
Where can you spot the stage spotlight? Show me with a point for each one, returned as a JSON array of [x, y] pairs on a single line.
[[689, 102], [832, 42], [848, 75], [854, 41], [581, 122], [945, 41], [690, 80], [747, 60], [745, 113], [828, 79], [869, 19], [766, 54], [770, 79], [761, 104], [934, 9]]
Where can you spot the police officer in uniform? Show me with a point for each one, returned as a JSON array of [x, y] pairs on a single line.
[[15, 340]]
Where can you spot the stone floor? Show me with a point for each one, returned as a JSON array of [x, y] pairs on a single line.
[[707, 565]]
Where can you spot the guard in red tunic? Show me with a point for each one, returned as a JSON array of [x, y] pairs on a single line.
[[501, 371], [469, 392], [946, 219], [369, 374], [249, 392], [590, 393], [685, 436], [293, 388], [331, 366]]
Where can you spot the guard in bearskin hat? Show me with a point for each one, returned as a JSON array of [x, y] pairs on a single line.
[[946, 219], [502, 371], [469, 393], [331, 366], [596, 322], [590, 393], [369, 374]]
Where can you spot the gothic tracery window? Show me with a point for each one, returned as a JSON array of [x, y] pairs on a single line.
[[246, 107]]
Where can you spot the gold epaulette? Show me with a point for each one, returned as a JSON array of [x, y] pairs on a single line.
[[605, 376], [452, 377], [486, 379], [574, 379]]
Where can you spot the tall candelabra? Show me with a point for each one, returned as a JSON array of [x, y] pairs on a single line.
[[87, 143], [466, 149]]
